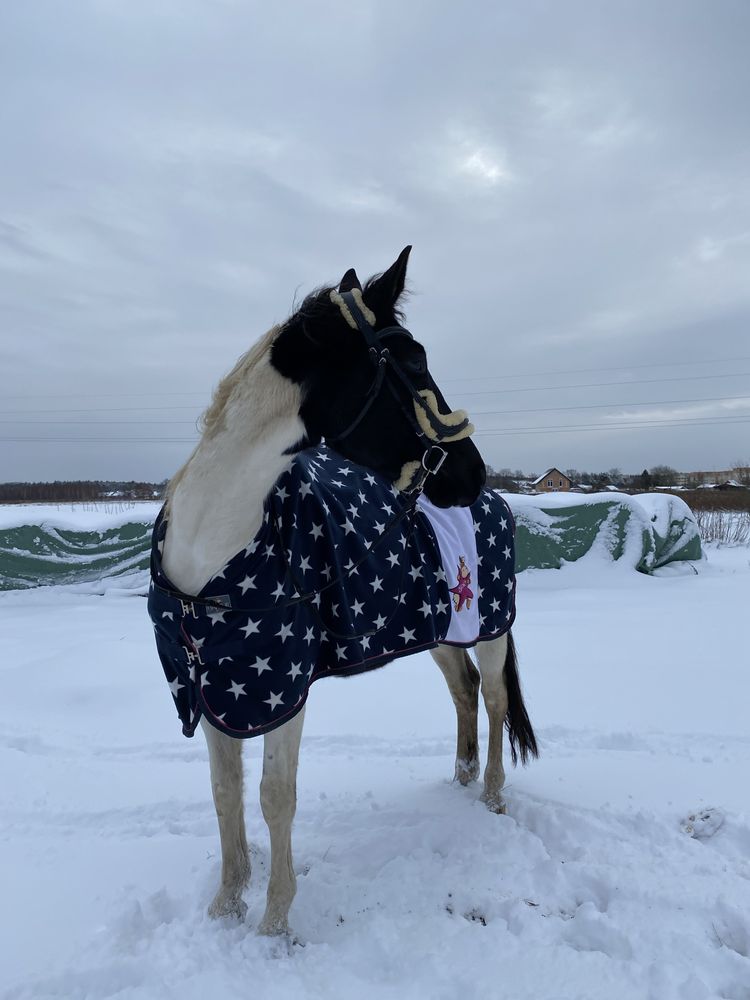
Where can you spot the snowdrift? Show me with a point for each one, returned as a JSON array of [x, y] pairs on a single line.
[[46, 544]]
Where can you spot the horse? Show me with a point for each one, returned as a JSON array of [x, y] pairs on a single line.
[[341, 372]]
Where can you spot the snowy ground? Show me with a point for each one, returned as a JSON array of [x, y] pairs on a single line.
[[591, 887]]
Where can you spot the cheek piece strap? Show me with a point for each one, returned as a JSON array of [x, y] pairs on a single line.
[[429, 424]]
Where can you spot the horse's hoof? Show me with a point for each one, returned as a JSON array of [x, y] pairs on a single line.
[[495, 803], [466, 771], [228, 908], [274, 929]]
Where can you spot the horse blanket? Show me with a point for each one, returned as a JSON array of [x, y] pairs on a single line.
[[340, 578]]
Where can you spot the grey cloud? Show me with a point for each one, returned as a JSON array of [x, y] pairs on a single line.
[[575, 179]]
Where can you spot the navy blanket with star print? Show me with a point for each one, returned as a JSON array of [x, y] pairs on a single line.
[[332, 584]]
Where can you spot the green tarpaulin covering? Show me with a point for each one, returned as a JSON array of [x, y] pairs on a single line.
[[41, 544], [645, 532]]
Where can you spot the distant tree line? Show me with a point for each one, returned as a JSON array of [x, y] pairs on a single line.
[[79, 490], [508, 480]]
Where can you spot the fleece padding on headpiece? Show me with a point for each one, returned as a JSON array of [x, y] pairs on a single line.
[[458, 420], [356, 294]]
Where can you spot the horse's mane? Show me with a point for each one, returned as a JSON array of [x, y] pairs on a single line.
[[211, 420]]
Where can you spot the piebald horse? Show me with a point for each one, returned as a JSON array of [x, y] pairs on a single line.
[[307, 381]]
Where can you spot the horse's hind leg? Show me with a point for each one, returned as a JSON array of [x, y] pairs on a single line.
[[463, 683], [278, 799], [491, 659], [225, 756]]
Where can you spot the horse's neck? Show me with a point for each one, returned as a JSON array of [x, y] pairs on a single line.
[[216, 507]]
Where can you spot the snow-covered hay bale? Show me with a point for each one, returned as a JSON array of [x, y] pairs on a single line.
[[644, 532]]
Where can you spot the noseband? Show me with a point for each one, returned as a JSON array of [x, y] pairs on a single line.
[[428, 423]]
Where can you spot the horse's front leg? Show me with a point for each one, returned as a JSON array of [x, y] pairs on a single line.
[[225, 757], [278, 799], [463, 683]]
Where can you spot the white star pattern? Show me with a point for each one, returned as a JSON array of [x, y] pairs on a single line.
[[340, 535], [261, 665], [237, 690]]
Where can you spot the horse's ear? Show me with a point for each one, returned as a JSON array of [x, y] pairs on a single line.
[[349, 281], [383, 292]]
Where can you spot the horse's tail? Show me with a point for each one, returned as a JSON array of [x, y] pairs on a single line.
[[520, 733]]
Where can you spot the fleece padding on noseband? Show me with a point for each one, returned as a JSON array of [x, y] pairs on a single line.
[[458, 419], [244, 652]]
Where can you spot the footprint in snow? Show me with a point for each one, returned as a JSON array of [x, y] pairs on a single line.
[[703, 824]]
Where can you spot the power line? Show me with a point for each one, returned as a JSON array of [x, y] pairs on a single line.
[[598, 406], [468, 378], [504, 431], [616, 368], [632, 425], [600, 385], [96, 440], [483, 392], [474, 413]]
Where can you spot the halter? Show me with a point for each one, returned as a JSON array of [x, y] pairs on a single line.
[[428, 423]]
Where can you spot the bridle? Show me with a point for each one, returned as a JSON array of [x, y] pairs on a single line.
[[436, 429], [387, 371]]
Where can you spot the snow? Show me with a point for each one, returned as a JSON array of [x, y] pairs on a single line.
[[621, 870], [78, 516]]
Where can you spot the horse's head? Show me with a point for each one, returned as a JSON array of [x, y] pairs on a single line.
[[367, 390]]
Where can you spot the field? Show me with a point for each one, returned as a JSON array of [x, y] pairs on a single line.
[[622, 869]]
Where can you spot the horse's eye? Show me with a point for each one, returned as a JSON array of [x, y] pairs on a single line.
[[417, 365]]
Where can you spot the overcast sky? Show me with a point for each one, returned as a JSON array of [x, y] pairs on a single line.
[[574, 176]]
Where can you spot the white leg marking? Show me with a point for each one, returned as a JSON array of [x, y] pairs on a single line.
[[491, 659], [278, 799], [225, 756], [463, 683]]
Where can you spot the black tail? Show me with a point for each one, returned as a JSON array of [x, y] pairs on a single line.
[[520, 733]]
